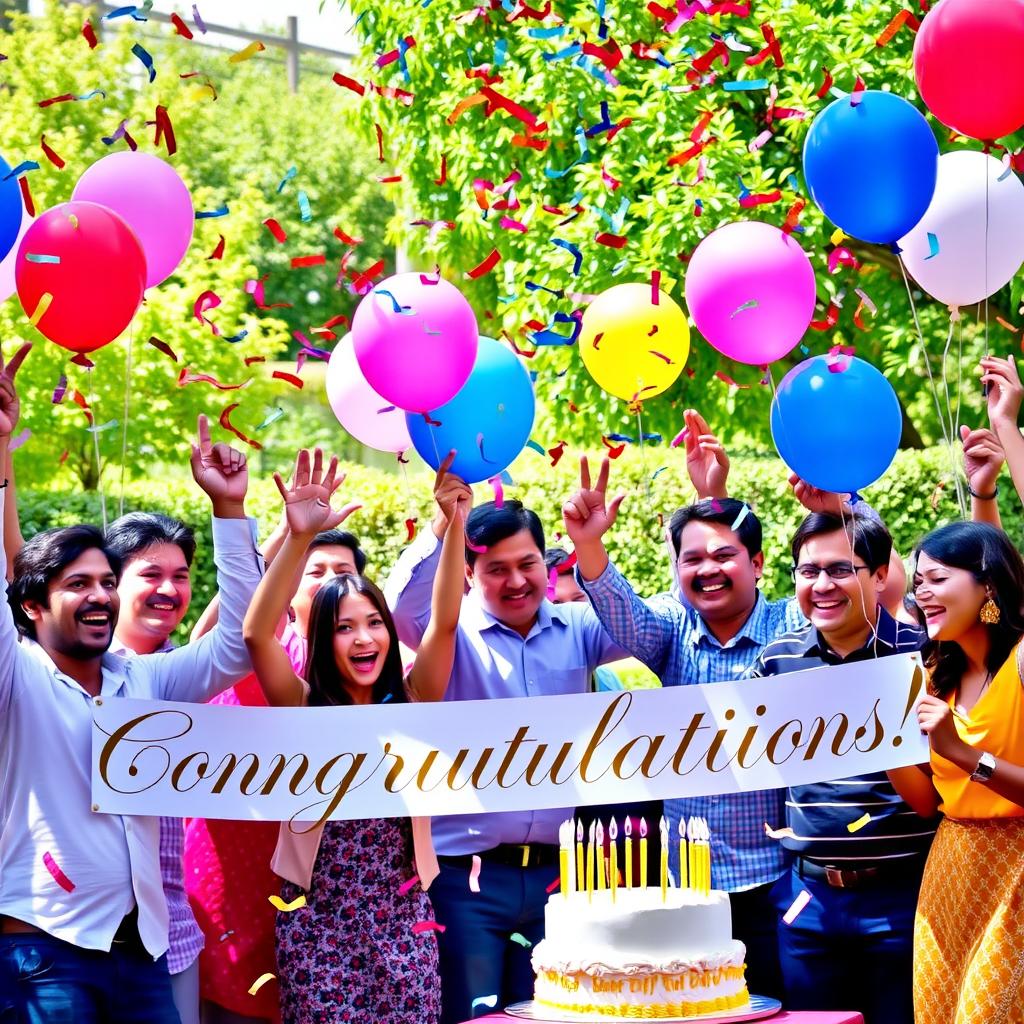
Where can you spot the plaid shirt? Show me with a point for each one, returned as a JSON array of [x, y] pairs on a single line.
[[673, 642]]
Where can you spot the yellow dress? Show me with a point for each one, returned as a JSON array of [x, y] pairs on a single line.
[[969, 930]]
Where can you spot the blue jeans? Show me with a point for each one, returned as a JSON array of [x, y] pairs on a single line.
[[44, 980], [477, 957], [850, 949]]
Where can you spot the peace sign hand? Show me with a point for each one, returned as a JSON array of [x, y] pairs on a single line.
[[588, 515], [307, 500]]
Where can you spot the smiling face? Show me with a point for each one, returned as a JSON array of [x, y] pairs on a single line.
[[717, 574], [361, 645], [155, 591], [81, 611], [511, 580], [949, 598], [322, 564], [843, 609]]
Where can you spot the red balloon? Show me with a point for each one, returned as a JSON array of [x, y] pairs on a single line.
[[969, 65], [97, 283]]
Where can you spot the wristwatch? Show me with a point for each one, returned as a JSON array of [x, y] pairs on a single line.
[[986, 768]]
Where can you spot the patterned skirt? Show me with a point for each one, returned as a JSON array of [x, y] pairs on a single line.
[[969, 930], [351, 954]]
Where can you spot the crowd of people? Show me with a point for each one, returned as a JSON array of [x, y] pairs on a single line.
[[917, 916]]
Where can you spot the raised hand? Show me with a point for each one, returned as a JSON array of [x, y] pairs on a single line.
[[983, 459], [451, 493], [706, 460], [221, 472], [307, 499], [10, 404], [935, 717], [588, 515], [1005, 391], [814, 499]]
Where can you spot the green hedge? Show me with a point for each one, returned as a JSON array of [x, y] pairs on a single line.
[[913, 497]]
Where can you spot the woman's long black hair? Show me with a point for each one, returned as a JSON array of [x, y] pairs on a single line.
[[987, 554], [321, 671]]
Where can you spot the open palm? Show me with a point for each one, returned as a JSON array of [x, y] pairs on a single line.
[[307, 500]]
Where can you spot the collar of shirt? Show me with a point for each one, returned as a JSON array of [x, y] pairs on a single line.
[[756, 630], [118, 648], [476, 618], [112, 665], [884, 639]]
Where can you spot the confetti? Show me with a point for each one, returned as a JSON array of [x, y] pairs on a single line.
[[499, 491], [521, 940], [164, 130], [272, 417], [245, 54], [902, 18], [218, 252], [207, 300], [147, 60], [569, 247], [348, 83], [427, 926], [478, 549], [803, 898], [726, 379], [678, 439], [831, 319], [489, 1001], [771, 49], [50, 155], [755, 144], [315, 260], [180, 27], [288, 378], [184, 377], [162, 346], [58, 876], [826, 83], [121, 132], [748, 85], [486, 266], [288, 175], [60, 390], [255, 289], [23, 168], [933, 246], [225, 422], [221, 211], [260, 982], [749, 304], [90, 35], [407, 885], [856, 826], [842, 257], [17, 442], [41, 307], [410, 530], [197, 19], [474, 884], [35, 257], [738, 521], [304, 209]]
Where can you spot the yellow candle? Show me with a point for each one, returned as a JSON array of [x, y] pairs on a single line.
[[707, 855], [691, 856], [590, 863], [564, 838], [643, 853], [685, 878], [579, 855], [663, 835], [599, 846], [613, 862], [629, 854]]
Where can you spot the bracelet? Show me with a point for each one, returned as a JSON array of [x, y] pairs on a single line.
[[4, 484], [983, 497]]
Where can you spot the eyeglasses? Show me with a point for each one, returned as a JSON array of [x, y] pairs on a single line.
[[835, 571]]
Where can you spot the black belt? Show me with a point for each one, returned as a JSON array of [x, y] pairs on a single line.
[[127, 938], [530, 855], [856, 878]]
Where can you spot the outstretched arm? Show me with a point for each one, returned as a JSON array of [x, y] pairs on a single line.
[[983, 459], [1004, 397], [432, 669], [13, 539], [707, 463], [307, 511]]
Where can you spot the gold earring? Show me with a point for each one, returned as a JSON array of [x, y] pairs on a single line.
[[989, 613]]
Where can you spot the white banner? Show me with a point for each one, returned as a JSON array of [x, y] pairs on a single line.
[[186, 760]]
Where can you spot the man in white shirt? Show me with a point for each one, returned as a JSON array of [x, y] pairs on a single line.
[[83, 919]]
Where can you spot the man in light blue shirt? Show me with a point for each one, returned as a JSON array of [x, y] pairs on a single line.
[[512, 642]]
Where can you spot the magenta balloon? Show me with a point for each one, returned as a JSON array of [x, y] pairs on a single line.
[[750, 290], [416, 340], [360, 410], [147, 193], [10, 261]]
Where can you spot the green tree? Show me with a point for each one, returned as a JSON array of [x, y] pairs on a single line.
[[523, 53], [231, 151]]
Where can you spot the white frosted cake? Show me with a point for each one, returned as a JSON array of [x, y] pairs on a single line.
[[643, 956]]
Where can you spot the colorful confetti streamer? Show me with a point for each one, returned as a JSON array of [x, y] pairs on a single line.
[[225, 422], [248, 52], [58, 876], [260, 982], [801, 901], [420, 927], [407, 885], [147, 60]]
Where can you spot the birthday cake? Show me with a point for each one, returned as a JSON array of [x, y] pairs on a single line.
[[642, 952]]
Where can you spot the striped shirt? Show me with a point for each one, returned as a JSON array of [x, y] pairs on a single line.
[[673, 641], [818, 815]]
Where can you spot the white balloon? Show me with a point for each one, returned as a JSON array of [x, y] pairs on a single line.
[[958, 274], [7, 264]]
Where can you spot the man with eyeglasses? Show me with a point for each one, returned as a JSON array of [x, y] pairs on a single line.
[[858, 849]]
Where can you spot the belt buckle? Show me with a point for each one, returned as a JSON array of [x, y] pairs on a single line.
[[525, 847], [837, 878]]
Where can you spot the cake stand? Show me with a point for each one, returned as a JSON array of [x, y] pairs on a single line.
[[758, 1008]]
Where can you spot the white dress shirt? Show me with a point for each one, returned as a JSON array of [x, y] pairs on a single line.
[[46, 729]]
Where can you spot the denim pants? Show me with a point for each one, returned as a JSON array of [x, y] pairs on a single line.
[[849, 949], [44, 980], [478, 958]]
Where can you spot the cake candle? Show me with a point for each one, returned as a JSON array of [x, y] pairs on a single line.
[[643, 853], [685, 878], [590, 863], [663, 835], [613, 858], [629, 852], [706, 837], [579, 856], [599, 847], [564, 839], [691, 851]]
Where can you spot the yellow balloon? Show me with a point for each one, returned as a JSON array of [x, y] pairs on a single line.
[[634, 349]]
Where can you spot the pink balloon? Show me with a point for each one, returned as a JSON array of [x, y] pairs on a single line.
[[416, 340], [10, 261], [750, 290], [151, 198], [360, 410]]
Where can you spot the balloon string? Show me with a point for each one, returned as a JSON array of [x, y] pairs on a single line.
[[949, 412], [127, 398], [96, 450], [928, 369], [643, 461]]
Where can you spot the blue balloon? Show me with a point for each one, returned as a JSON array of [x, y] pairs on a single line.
[[487, 423], [10, 209], [837, 428], [871, 167]]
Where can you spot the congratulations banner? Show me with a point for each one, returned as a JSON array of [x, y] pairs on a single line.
[[186, 760]]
